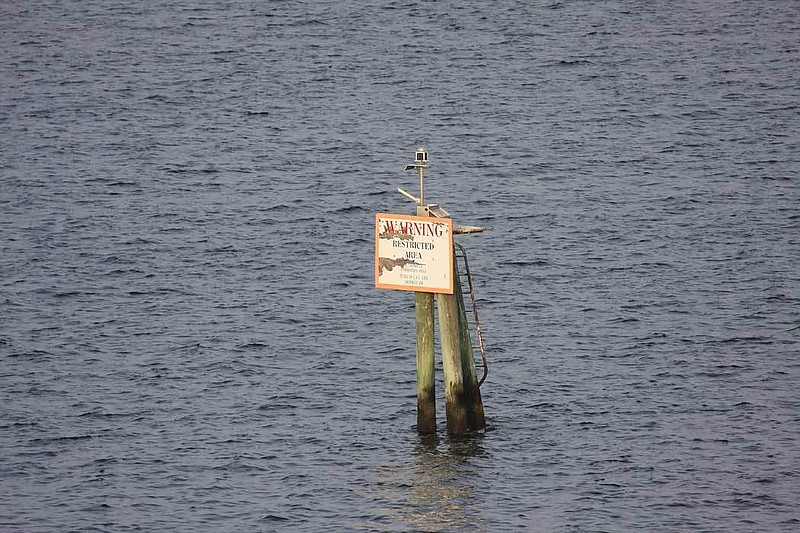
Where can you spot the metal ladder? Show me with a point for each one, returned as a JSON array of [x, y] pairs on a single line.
[[468, 288]]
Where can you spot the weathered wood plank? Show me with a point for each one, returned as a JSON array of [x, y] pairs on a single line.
[[426, 385]]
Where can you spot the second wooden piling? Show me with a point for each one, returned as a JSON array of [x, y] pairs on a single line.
[[450, 333], [462, 394], [472, 392]]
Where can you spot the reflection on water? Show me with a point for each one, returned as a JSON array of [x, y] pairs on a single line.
[[434, 490]]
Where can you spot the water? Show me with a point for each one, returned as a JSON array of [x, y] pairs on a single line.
[[190, 338]]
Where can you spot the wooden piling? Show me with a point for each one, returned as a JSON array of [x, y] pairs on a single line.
[[426, 386], [463, 403], [450, 333], [426, 383], [472, 392]]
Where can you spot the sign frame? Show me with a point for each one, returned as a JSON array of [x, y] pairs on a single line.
[[433, 235]]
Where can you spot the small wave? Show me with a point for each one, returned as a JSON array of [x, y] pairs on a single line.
[[66, 438], [68, 294], [252, 345], [571, 62], [624, 319], [532, 262], [351, 209], [310, 22], [274, 518], [739, 340]]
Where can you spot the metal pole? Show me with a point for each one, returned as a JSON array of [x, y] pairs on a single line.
[[421, 185]]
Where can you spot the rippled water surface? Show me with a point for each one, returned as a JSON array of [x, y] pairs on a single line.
[[190, 339]]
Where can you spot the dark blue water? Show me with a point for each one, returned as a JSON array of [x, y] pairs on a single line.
[[189, 335]]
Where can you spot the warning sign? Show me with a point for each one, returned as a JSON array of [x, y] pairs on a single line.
[[414, 253]]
